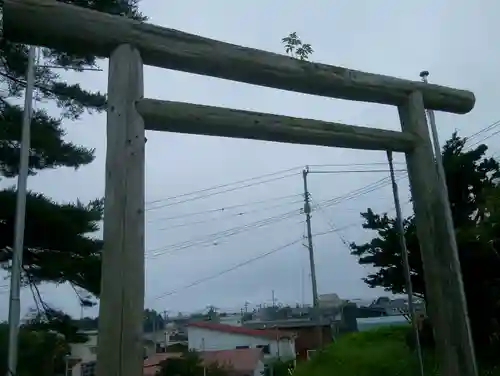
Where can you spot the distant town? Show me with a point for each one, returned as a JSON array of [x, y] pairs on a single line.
[[261, 334]]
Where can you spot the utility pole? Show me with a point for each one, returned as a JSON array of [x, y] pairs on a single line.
[[17, 249], [154, 331], [405, 261], [165, 329], [307, 211], [272, 292]]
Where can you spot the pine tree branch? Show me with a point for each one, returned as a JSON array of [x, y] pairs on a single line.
[[72, 98], [47, 148]]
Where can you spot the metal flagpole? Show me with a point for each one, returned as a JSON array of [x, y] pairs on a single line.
[[406, 263], [17, 252]]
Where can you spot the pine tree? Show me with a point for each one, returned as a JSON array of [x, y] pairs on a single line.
[[58, 247]]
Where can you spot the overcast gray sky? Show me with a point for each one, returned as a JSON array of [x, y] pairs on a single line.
[[453, 39]]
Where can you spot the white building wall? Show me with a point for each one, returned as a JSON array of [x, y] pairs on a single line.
[[201, 339], [286, 349], [259, 370], [87, 352]]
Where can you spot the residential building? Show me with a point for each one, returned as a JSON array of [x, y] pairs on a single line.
[[398, 306], [85, 355], [238, 362], [306, 332], [209, 336], [330, 301], [230, 319]]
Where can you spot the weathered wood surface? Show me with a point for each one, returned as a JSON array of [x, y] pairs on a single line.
[[82, 30], [216, 121], [443, 284], [120, 345]]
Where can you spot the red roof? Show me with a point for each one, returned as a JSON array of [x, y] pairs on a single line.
[[268, 333], [237, 360]]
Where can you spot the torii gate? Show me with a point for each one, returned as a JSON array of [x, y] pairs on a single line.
[[129, 44]]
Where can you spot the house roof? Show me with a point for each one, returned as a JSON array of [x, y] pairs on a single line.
[[237, 360], [156, 359], [286, 323], [268, 333], [152, 363]]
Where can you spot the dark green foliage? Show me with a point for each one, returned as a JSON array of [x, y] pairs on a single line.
[[43, 344], [177, 348], [152, 320], [57, 246], [377, 352], [55, 321], [473, 191], [295, 48], [425, 333], [189, 365], [87, 323], [280, 367]]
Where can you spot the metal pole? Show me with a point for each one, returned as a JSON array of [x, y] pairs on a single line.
[[17, 254], [406, 263], [203, 349], [66, 365], [155, 339], [455, 261], [307, 211]]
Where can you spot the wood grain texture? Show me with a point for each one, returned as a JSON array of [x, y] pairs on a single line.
[[216, 121], [90, 32], [120, 348], [448, 314]]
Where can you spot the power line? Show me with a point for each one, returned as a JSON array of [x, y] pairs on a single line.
[[224, 208], [348, 171], [485, 129], [228, 270], [234, 215], [224, 191], [241, 264], [352, 164], [379, 184], [246, 185], [267, 221], [224, 185], [332, 227], [223, 234], [484, 138]]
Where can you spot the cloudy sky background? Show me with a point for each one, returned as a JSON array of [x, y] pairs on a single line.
[[454, 40]]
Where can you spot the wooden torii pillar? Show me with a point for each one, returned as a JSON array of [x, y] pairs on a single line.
[[129, 44]]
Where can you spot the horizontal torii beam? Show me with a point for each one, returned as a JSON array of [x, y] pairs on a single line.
[[189, 118], [55, 24]]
